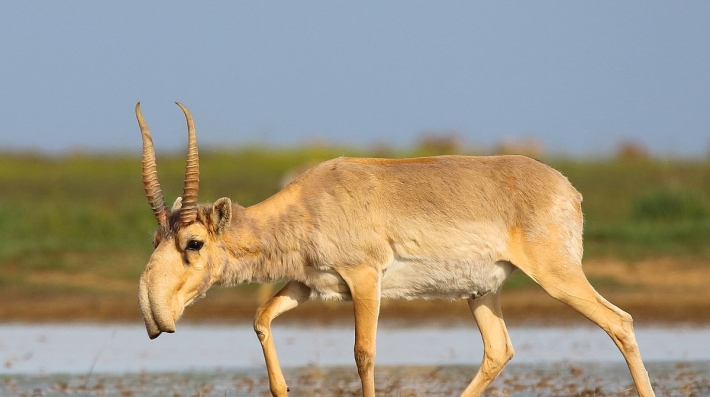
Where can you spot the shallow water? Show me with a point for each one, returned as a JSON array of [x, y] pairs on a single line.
[[120, 360]]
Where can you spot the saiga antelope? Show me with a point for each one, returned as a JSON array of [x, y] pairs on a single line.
[[451, 227]]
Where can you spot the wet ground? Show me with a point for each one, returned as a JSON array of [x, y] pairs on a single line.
[[519, 380], [119, 360]]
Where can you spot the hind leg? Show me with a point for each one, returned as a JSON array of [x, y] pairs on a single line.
[[497, 349], [565, 281]]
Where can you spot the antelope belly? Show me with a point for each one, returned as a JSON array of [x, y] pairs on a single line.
[[443, 280]]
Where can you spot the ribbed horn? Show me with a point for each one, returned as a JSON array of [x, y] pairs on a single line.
[[150, 172], [188, 212]]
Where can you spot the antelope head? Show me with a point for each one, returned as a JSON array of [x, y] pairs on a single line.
[[188, 251]]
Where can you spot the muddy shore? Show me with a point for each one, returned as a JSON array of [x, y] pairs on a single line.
[[654, 291]]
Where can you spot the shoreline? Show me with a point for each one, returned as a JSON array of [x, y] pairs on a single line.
[[652, 291], [522, 307]]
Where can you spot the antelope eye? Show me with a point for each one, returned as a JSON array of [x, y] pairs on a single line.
[[194, 245]]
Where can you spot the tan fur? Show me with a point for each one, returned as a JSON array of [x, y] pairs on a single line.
[[450, 227]]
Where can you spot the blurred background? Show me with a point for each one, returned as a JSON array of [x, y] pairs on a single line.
[[614, 95]]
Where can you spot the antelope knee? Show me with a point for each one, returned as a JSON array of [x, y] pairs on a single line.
[[364, 357], [623, 331], [261, 329], [495, 359]]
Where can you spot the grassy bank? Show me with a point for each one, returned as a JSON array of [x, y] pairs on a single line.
[[79, 225]]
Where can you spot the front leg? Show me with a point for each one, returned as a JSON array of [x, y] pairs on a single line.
[[290, 296], [364, 284]]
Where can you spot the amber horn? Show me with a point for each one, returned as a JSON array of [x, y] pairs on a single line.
[[188, 212], [150, 172]]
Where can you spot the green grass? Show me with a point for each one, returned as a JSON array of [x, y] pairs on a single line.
[[87, 213], [518, 280]]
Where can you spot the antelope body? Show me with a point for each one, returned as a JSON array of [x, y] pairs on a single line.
[[451, 227]]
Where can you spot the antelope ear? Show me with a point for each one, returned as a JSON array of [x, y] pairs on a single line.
[[221, 214], [177, 204]]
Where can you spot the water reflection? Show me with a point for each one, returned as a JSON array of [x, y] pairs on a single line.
[[113, 348]]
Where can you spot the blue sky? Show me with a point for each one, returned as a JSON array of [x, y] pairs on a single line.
[[578, 76]]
